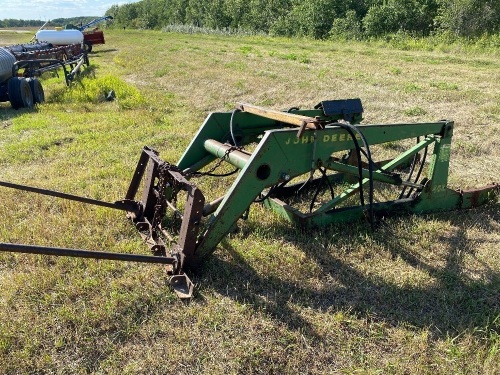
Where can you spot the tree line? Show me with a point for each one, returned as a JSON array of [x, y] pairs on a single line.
[[319, 19], [61, 22]]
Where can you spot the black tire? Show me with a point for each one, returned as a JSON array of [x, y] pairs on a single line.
[[19, 93], [87, 46], [26, 95], [36, 90]]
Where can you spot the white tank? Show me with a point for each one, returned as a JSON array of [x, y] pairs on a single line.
[[60, 37], [7, 60]]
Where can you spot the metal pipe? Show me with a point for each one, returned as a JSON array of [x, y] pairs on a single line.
[[221, 150], [76, 69], [124, 205], [31, 249], [211, 207], [41, 28], [173, 208]]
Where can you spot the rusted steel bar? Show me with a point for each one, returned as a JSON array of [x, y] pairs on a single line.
[[31, 249], [125, 205], [139, 171]]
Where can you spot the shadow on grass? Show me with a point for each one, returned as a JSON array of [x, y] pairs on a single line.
[[7, 113], [96, 53], [453, 302]]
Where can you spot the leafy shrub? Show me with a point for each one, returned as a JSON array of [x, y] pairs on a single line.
[[415, 16], [469, 17], [415, 111], [190, 29], [348, 27], [96, 90]]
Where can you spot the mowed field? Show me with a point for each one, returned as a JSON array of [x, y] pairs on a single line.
[[420, 294]]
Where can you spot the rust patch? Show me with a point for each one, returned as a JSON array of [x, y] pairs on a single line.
[[476, 195]]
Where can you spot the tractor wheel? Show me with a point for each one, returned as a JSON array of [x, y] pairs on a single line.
[[36, 90], [26, 94], [20, 93], [87, 46]]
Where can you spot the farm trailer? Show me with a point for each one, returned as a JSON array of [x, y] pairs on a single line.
[[21, 64], [93, 36], [314, 167]]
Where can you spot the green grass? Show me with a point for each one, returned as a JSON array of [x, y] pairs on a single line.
[[418, 295]]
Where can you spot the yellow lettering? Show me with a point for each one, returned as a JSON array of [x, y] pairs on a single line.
[[305, 139], [326, 138], [295, 141], [349, 138], [287, 141], [334, 137], [342, 137]]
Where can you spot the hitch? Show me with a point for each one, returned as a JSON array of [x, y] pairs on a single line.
[[310, 176]]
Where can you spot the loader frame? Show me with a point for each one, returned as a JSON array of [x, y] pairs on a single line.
[[272, 153]]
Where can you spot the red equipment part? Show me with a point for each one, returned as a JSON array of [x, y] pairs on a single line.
[[92, 37]]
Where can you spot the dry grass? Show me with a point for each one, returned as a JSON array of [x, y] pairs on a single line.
[[419, 295]]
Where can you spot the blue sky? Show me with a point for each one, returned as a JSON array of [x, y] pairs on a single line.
[[50, 9]]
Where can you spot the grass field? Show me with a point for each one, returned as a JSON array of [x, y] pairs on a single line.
[[419, 295]]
